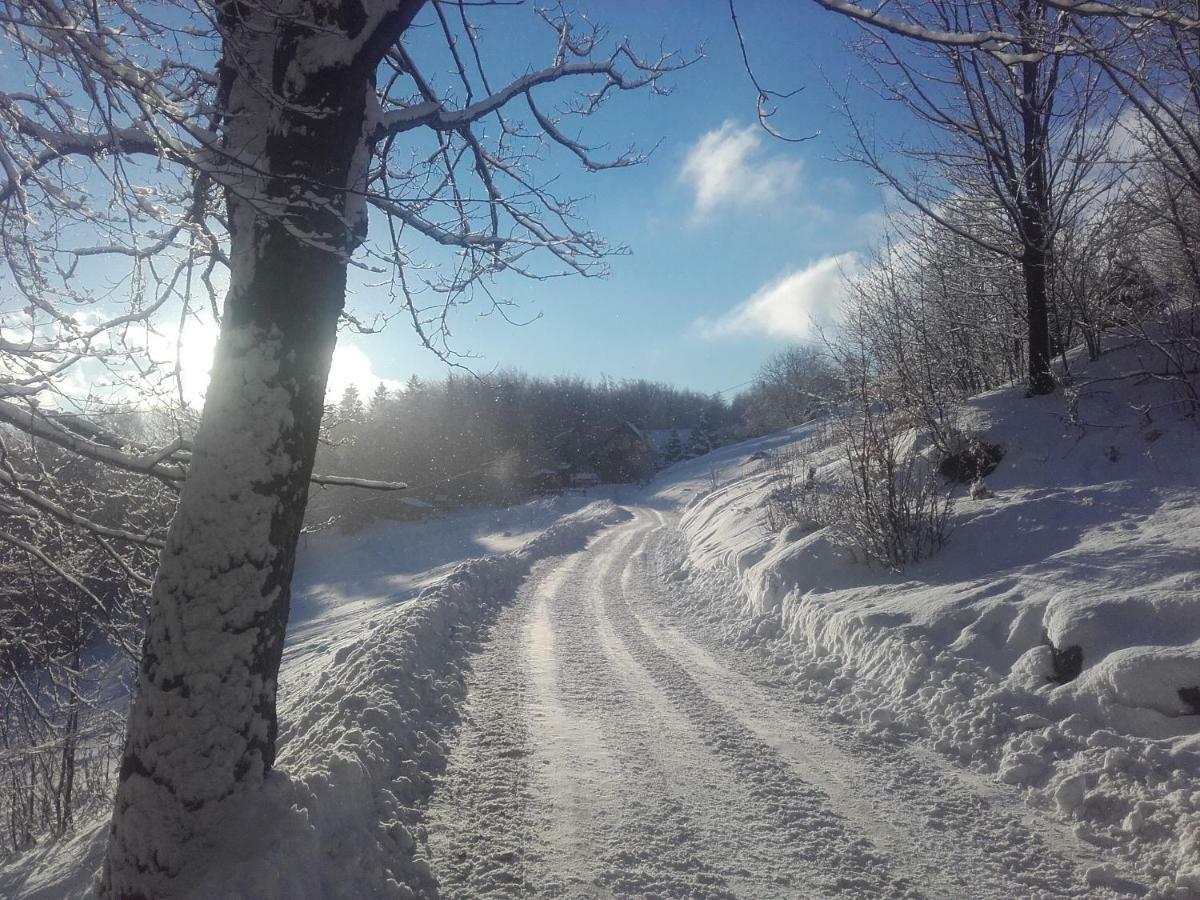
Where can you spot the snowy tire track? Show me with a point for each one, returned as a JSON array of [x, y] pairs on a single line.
[[609, 752], [824, 843], [489, 772]]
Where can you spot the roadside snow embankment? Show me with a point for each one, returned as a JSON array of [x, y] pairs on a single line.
[[368, 686], [362, 738], [1091, 541]]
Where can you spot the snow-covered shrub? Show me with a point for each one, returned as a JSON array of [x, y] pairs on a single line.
[[798, 499], [891, 509], [968, 458], [879, 499], [51, 771]]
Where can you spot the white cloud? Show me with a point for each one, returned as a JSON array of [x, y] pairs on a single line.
[[728, 167], [791, 307]]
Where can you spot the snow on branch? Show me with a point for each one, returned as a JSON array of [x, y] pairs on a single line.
[[365, 483], [1159, 14], [991, 41]]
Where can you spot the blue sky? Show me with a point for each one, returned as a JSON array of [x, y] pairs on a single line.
[[735, 238]]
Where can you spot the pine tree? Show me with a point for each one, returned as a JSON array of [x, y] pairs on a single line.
[[379, 400], [702, 439], [673, 452]]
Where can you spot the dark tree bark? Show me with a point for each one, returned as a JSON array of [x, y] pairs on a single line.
[[1033, 204], [202, 728]]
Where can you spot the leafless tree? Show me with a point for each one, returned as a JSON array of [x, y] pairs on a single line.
[[164, 153], [791, 387], [938, 317], [1015, 117]]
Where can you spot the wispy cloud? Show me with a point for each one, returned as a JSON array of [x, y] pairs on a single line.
[[728, 167], [792, 307]]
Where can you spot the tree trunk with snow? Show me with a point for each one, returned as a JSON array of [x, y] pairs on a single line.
[[202, 727], [1033, 205]]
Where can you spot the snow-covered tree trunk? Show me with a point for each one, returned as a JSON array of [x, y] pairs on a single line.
[[202, 727], [1035, 101]]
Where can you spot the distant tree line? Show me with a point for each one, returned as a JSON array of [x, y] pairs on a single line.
[[472, 439]]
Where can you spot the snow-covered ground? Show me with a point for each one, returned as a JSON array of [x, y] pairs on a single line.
[[611, 748], [690, 706], [1092, 539], [382, 622]]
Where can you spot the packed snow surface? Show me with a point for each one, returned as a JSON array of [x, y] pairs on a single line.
[[612, 747]]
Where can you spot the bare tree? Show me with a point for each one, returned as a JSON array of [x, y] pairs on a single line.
[[938, 317], [791, 387], [1152, 56], [1016, 120], [254, 143]]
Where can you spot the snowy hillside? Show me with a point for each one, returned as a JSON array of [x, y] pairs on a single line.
[[1091, 540]]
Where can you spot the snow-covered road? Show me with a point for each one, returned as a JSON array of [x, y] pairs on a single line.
[[611, 748]]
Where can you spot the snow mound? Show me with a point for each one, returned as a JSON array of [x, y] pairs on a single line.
[[360, 742], [1087, 537]]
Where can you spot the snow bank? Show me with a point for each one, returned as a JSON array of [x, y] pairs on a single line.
[[339, 576], [372, 677], [362, 737], [1092, 540]]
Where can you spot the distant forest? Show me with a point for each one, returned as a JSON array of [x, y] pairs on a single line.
[[474, 439]]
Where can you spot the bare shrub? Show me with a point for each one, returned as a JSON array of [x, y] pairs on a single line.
[[893, 510], [797, 500], [883, 503], [54, 770], [713, 479]]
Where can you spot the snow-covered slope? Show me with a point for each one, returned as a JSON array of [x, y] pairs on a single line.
[[1092, 539]]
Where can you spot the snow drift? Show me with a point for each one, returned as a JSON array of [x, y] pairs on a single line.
[[1091, 541]]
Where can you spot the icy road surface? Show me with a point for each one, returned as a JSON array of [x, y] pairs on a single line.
[[608, 750]]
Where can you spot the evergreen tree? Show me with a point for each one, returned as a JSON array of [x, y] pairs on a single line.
[[350, 409], [379, 400], [703, 438], [673, 452]]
